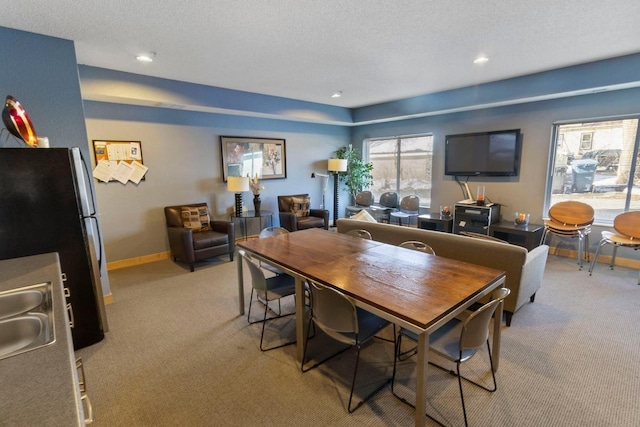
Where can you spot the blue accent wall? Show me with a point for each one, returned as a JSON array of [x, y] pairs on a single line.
[[182, 150]]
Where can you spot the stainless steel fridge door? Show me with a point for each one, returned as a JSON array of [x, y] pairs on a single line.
[[92, 226]]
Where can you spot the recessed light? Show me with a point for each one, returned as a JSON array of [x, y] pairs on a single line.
[[480, 60], [146, 57], [337, 94]]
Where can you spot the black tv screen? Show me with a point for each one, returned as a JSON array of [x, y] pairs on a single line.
[[494, 153]]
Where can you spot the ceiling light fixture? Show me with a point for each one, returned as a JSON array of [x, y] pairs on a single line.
[[480, 60], [337, 94], [146, 57]]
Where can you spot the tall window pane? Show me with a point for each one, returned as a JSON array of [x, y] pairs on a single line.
[[597, 163], [403, 165]]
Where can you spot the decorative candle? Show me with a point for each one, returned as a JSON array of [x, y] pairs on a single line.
[[521, 217]]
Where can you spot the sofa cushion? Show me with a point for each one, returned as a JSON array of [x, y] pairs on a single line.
[[196, 217], [300, 206], [363, 216]]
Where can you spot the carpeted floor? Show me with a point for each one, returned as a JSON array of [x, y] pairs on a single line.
[[178, 354]]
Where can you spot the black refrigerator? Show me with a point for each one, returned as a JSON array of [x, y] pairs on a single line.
[[47, 205]]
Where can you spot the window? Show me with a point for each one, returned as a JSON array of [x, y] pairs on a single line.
[[401, 164], [597, 163], [586, 141]]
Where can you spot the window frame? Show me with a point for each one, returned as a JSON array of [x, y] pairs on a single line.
[[556, 142], [366, 153]]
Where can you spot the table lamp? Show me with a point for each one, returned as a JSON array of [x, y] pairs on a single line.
[[238, 184], [335, 166]]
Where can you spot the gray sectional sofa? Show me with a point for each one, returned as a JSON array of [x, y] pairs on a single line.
[[524, 270]]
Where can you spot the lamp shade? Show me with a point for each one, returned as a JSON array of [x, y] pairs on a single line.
[[337, 165], [237, 184]]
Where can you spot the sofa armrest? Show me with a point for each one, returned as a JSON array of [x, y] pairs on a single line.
[[181, 243], [532, 274], [289, 221], [321, 213], [228, 228]]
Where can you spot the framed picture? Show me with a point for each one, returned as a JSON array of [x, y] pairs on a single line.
[[264, 157]]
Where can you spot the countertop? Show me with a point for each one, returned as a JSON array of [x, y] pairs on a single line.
[[40, 387]]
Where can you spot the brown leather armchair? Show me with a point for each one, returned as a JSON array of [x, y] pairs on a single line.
[[317, 218], [190, 244]]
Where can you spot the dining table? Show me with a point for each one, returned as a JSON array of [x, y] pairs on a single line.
[[412, 289]]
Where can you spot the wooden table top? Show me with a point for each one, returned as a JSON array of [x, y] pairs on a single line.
[[411, 285], [301, 249]]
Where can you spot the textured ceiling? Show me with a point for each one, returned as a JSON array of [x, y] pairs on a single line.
[[372, 50]]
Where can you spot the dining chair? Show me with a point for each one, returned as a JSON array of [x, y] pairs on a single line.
[[337, 316], [571, 219], [269, 232], [626, 235], [388, 203], [269, 289], [458, 341], [359, 233], [363, 200], [417, 246], [409, 208]]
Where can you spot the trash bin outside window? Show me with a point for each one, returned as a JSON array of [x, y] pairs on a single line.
[[582, 175]]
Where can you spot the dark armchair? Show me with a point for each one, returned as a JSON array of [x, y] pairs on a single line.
[[295, 213], [194, 237]]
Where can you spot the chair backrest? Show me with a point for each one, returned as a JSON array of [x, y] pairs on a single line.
[[272, 231], [475, 329], [333, 312], [173, 214], [285, 202], [628, 224], [360, 233], [364, 198], [410, 204], [258, 281], [389, 200], [417, 246], [571, 212]]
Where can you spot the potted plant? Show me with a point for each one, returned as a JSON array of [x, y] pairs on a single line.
[[358, 175]]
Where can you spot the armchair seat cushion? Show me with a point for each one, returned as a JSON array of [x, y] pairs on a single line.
[[310, 222], [207, 239]]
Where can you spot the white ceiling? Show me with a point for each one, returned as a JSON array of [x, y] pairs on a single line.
[[372, 50]]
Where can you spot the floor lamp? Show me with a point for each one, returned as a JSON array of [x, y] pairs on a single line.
[[335, 166]]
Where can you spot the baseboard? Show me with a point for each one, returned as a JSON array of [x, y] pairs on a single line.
[[602, 259], [130, 262]]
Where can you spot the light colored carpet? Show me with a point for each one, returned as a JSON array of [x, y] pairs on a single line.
[[178, 354]]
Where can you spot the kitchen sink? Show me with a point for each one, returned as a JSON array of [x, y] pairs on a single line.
[[19, 302], [26, 319], [22, 333]]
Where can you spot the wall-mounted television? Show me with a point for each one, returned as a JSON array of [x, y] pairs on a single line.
[[495, 153]]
